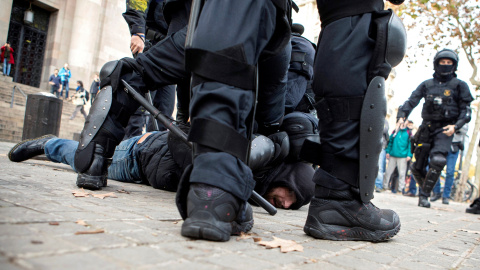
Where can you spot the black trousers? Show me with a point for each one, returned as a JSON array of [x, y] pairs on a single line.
[[343, 54]]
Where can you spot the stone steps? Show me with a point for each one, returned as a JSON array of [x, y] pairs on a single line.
[[11, 119]]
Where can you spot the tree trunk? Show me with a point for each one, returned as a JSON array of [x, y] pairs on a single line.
[[468, 158], [477, 170]]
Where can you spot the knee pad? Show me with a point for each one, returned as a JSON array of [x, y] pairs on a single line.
[[437, 162], [111, 72], [390, 45], [267, 152], [98, 129], [299, 126]]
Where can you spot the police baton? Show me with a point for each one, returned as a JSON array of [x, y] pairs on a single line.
[[177, 131]]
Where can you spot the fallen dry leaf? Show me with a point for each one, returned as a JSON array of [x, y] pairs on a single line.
[[54, 223], [248, 236], [433, 222], [36, 242], [284, 245], [244, 236], [475, 232], [90, 232], [122, 191], [102, 196], [257, 239], [81, 222], [80, 193]]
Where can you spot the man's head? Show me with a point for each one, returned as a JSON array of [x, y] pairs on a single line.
[[65, 66], [281, 197], [445, 62], [288, 185], [55, 72]]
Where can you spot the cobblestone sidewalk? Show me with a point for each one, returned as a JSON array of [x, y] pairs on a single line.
[[141, 230]]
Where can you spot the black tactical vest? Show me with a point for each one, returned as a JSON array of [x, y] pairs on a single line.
[[441, 101]]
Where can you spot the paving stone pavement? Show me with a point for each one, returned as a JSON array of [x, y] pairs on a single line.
[[142, 231]]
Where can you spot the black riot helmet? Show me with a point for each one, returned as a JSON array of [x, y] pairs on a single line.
[[448, 69]]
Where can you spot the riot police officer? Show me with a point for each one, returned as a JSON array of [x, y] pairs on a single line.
[[300, 95], [446, 110]]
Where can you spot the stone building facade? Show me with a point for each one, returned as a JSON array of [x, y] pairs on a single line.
[[83, 33], [309, 18]]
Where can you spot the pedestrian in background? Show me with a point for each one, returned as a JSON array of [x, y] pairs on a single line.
[[398, 153], [65, 76], [81, 98], [7, 58], [94, 88], [54, 81]]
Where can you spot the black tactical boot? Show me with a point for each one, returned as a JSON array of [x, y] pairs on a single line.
[[474, 207], [214, 214], [95, 177], [423, 201], [341, 215], [436, 196], [27, 149]]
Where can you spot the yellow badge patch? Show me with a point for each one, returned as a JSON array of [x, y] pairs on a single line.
[[447, 92]]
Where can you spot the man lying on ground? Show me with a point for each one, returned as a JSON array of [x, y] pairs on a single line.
[[159, 158]]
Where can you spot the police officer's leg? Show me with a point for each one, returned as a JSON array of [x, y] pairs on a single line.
[[135, 124], [272, 88], [351, 107], [183, 101], [219, 108], [272, 104], [421, 152], [164, 101], [104, 127], [438, 160], [162, 65]]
